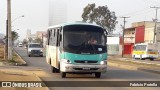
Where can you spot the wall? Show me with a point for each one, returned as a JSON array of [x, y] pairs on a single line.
[[113, 45], [139, 34], [113, 40]]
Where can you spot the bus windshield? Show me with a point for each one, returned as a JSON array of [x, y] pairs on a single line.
[[140, 47], [84, 39]]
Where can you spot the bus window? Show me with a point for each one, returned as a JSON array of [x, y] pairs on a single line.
[[141, 47]]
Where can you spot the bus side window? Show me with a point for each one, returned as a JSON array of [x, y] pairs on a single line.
[[48, 36], [54, 32], [58, 37]]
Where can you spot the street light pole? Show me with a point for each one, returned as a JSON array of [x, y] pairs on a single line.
[[9, 30], [17, 18]]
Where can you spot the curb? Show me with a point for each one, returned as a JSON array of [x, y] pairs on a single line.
[[133, 68], [21, 59]]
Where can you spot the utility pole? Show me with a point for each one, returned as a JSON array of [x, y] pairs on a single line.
[[9, 30], [6, 46], [155, 26], [123, 34]]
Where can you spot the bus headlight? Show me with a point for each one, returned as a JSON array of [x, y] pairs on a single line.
[[66, 61], [41, 50], [103, 62]]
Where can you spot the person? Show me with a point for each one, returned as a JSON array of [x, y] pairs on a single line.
[[92, 41]]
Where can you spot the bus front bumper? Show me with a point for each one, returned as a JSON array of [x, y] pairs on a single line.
[[82, 68]]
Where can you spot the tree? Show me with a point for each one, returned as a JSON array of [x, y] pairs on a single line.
[[38, 40], [101, 16], [30, 40], [14, 36], [24, 42]]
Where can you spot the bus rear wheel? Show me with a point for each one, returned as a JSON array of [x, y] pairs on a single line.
[[53, 69], [63, 74], [97, 74]]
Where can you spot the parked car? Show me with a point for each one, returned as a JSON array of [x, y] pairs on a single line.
[[35, 49]]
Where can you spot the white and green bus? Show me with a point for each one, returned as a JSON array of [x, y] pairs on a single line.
[[77, 48]]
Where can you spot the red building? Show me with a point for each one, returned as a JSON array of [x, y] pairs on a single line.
[[131, 36]]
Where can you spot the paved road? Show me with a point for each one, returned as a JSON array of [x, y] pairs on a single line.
[[113, 74]]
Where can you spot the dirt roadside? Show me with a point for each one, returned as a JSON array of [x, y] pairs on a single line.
[[13, 75], [130, 64]]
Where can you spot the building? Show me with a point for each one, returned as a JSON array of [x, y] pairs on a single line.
[[32, 37], [140, 32], [40, 34], [113, 45]]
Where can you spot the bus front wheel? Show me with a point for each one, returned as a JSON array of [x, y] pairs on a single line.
[[141, 58], [97, 74]]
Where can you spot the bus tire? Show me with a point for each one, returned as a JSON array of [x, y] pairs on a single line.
[[97, 74], [142, 58], [58, 70], [63, 74], [151, 59], [53, 69]]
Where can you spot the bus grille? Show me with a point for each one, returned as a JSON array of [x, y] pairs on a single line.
[[85, 61], [88, 69]]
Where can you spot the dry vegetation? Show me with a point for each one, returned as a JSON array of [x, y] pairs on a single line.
[[16, 59], [2, 52]]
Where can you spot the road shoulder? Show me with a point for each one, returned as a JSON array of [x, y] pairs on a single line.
[[127, 63]]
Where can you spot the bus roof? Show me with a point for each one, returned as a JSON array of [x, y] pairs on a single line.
[[73, 23]]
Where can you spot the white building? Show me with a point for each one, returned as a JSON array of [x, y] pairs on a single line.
[[113, 45]]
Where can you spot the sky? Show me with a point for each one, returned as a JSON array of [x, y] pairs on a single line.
[[36, 13]]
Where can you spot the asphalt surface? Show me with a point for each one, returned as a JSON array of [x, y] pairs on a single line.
[[113, 74]]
